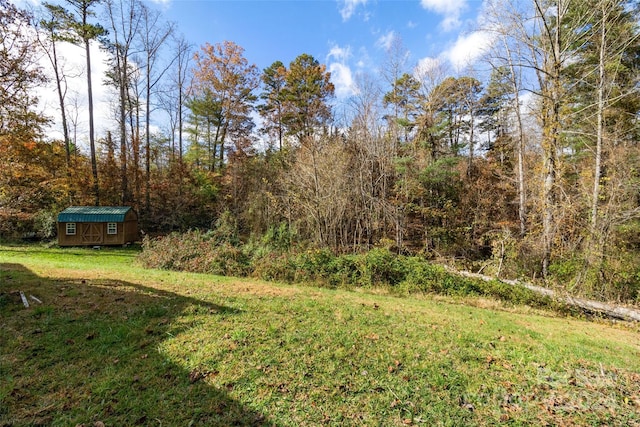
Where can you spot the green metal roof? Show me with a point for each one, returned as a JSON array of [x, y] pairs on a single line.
[[93, 214]]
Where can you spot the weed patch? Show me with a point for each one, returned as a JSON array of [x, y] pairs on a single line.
[[377, 269]]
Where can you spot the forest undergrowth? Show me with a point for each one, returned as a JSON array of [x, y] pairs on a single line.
[[380, 268]]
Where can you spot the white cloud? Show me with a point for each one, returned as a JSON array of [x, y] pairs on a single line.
[[428, 65], [386, 40], [74, 61], [342, 78], [339, 53], [444, 7], [349, 8], [450, 9], [430, 72], [450, 23], [469, 48], [341, 74], [164, 5], [364, 60]]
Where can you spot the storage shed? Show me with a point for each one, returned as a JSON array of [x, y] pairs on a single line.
[[97, 225]]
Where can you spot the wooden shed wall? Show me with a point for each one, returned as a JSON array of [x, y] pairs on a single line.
[[95, 233]]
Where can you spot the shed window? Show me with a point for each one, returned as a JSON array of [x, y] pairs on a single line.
[[112, 228], [71, 229]]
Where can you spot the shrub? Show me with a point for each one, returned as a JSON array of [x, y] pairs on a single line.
[[205, 253], [225, 230], [172, 252], [565, 270], [344, 272], [611, 279], [313, 265], [226, 260], [380, 266], [423, 276], [14, 224], [278, 238], [45, 224]]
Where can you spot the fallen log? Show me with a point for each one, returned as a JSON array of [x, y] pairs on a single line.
[[590, 306]]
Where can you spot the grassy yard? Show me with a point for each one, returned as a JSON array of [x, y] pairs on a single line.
[[116, 344]]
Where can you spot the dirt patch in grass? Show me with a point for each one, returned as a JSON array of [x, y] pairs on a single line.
[[264, 290]]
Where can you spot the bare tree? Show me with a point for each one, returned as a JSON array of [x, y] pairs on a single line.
[[56, 29], [372, 174], [548, 36], [431, 74], [507, 52], [606, 90], [153, 33], [124, 18], [173, 94]]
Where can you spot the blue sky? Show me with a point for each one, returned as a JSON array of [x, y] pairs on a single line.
[[349, 36]]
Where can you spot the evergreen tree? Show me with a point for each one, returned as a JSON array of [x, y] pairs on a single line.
[[272, 110], [307, 92]]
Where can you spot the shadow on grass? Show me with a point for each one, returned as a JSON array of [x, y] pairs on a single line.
[[92, 352]]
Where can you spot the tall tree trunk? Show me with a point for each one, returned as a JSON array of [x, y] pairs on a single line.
[[600, 123], [147, 150], [123, 27], [223, 136], [280, 127], [180, 126], [522, 200], [551, 89], [92, 143], [212, 150], [134, 145], [53, 56], [549, 197], [522, 195], [182, 64], [471, 137], [152, 37], [135, 129], [124, 180], [86, 32]]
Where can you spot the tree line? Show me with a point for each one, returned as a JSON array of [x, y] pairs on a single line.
[[531, 170]]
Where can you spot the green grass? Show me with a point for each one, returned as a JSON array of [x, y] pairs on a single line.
[[120, 344]]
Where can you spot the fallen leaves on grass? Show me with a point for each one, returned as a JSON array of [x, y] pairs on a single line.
[[198, 374]]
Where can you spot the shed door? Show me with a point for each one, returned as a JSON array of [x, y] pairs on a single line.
[[92, 233]]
